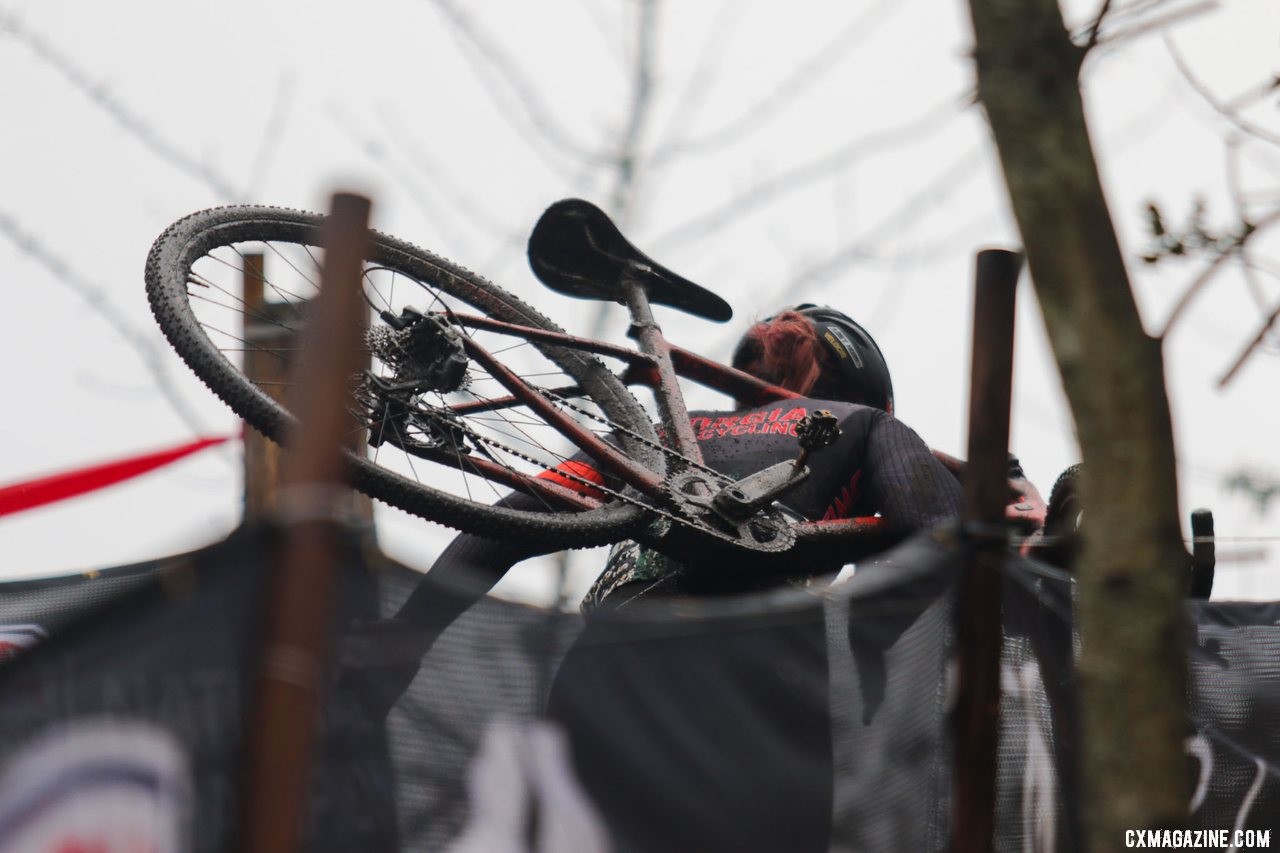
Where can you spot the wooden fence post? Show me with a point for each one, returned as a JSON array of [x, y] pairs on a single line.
[[271, 346], [289, 686], [266, 364], [979, 633]]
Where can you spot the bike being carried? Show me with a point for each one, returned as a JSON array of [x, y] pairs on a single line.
[[479, 413]]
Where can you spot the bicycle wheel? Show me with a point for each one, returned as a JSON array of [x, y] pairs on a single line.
[[1062, 520], [1063, 514], [440, 435]]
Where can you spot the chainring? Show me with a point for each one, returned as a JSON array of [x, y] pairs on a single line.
[[690, 494]]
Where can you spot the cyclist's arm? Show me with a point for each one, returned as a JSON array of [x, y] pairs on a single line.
[[468, 568], [903, 479], [384, 656]]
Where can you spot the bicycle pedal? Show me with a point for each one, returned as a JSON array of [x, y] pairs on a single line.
[[818, 430]]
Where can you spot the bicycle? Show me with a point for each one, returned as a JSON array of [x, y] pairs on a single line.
[[478, 396]]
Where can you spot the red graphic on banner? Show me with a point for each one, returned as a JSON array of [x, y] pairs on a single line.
[[69, 484], [75, 845], [15, 638]]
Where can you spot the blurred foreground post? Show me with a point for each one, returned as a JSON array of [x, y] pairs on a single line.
[[290, 683], [979, 633]]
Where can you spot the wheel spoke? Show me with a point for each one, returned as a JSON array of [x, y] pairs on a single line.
[[447, 430]]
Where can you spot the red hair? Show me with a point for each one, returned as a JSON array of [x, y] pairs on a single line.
[[785, 350]]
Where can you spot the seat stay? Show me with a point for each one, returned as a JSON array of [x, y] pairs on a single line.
[[546, 336], [609, 459]]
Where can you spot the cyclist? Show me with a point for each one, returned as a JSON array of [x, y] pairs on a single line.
[[877, 465], [720, 740]]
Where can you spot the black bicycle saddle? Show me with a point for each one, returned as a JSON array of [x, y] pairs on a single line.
[[575, 249]]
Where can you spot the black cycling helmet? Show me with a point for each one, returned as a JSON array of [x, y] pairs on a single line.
[[864, 374]]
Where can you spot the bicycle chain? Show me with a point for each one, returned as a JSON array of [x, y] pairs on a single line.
[[784, 537], [675, 454], [671, 490], [588, 485]]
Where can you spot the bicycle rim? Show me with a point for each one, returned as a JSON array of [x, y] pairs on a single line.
[[439, 434]]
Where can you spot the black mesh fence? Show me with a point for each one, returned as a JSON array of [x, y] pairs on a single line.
[[1235, 714], [168, 648], [812, 719]]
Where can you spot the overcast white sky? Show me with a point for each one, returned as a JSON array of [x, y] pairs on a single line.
[[814, 152]]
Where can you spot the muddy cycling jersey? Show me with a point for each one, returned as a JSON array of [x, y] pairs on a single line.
[[877, 465]]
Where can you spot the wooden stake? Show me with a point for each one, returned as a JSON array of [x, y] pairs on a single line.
[[979, 634], [265, 363], [290, 685]]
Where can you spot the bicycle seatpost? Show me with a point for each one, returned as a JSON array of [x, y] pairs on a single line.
[[646, 332]]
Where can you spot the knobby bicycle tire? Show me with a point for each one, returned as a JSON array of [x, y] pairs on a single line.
[[1062, 515], [202, 237]]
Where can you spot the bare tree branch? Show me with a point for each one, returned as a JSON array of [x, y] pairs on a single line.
[[948, 182], [608, 29], [1121, 13], [809, 283], [151, 355], [1209, 98], [1267, 324], [1249, 268], [1236, 191], [401, 137], [626, 161], [271, 134], [1246, 234], [1116, 17], [699, 82], [97, 92], [1122, 35], [1262, 265], [507, 83], [800, 177], [504, 241], [788, 91], [426, 201], [1197, 283], [1096, 27], [1258, 92]]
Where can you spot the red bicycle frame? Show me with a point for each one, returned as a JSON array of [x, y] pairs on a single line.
[[659, 364]]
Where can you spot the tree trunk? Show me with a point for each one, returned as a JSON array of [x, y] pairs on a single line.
[[1132, 569]]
